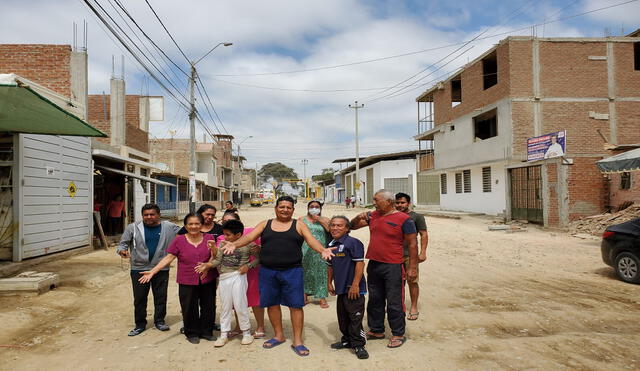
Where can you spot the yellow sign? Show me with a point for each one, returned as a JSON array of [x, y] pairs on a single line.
[[72, 189], [357, 185]]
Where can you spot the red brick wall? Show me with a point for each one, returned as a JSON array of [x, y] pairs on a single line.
[[522, 126], [587, 188], [47, 65], [173, 152], [137, 138], [473, 93], [132, 110], [626, 78], [618, 196], [582, 137], [551, 206], [566, 71], [521, 72], [628, 120]]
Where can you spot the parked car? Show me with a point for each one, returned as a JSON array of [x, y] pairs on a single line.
[[256, 202], [621, 249]]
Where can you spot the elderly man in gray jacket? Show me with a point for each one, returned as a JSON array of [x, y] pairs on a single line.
[[145, 244]]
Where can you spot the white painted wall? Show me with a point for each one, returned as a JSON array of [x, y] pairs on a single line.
[[386, 169], [454, 148], [491, 203]]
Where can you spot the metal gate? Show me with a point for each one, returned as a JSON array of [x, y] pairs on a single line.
[[526, 193], [428, 190], [396, 185]]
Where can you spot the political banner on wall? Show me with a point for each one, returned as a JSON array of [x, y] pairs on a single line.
[[547, 146]]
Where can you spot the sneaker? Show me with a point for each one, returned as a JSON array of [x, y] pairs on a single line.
[[136, 331], [361, 353], [208, 337], [340, 345], [220, 342], [162, 326], [247, 339], [193, 340]]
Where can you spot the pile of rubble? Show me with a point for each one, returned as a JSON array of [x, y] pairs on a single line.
[[596, 224]]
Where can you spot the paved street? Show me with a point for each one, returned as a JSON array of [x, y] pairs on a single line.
[[530, 300]]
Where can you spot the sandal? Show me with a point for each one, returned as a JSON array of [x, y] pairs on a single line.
[[324, 305], [413, 316], [258, 335], [374, 336], [300, 350], [272, 343], [233, 333], [396, 342]]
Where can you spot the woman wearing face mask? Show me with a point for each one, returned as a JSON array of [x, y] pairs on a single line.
[[314, 267]]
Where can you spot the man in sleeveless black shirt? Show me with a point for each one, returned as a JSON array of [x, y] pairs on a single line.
[[281, 281]]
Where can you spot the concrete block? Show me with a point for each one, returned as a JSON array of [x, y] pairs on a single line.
[[29, 283], [499, 227]]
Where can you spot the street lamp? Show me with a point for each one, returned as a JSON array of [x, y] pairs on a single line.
[[356, 107], [192, 130]]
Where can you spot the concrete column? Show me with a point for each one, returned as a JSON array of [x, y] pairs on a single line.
[[79, 80], [144, 113], [118, 129], [611, 85], [563, 195], [537, 109]]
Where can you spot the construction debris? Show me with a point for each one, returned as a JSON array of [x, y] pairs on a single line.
[[34, 283], [596, 224]]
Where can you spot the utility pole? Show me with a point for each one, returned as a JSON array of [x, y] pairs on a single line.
[[356, 107], [304, 165], [192, 144]]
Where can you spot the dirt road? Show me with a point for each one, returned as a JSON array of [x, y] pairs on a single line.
[[490, 300]]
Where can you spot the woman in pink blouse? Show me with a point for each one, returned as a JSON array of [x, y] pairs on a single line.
[[197, 291]]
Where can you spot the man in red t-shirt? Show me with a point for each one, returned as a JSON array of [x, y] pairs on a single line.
[[389, 230]]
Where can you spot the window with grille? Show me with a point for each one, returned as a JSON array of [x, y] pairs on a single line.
[[466, 176], [486, 179], [458, 182], [443, 184], [625, 180]]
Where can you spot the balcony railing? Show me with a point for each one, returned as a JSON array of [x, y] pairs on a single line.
[[425, 162]]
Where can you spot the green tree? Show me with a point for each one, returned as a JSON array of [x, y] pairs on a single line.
[[327, 174], [276, 172]]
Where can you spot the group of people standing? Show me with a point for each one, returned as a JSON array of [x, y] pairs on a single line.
[[280, 262]]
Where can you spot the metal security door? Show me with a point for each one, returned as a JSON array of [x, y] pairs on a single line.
[[55, 194], [526, 195], [428, 192]]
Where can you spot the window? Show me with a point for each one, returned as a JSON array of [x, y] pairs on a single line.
[[452, 128], [466, 175], [456, 91], [486, 179], [625, 180], [486, 125], [490, 70], [443, 184], [458, 182], [636, 56]]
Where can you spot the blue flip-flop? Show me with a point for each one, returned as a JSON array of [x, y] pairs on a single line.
[[299, 349], [273, 342]]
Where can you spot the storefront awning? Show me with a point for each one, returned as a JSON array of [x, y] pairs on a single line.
[[23, 110], [626, 161], [132, 175]]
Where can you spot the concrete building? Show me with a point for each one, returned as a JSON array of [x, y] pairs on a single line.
[[173, 155], [393, 171], [475, 126], [122, 160]]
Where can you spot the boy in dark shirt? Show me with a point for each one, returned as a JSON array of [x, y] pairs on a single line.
[[346, 269]]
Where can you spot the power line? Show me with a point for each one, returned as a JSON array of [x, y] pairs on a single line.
[[133, 54], [423, 50], [168, 33], [211, 104]]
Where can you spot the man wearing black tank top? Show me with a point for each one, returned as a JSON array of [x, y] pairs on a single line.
[[281, 280]]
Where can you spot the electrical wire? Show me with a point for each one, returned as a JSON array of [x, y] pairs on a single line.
[[168, 33]]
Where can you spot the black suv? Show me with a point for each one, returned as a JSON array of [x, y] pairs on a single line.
[[621, 249]]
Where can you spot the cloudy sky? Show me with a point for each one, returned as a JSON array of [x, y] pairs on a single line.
[[295, 66]]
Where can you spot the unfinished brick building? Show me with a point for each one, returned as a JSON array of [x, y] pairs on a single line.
[[477, 123]]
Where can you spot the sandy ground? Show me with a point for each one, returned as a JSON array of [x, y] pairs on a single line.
[[490, 300]]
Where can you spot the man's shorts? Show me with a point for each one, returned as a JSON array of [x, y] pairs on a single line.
[[281, 287], [406, 268]]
